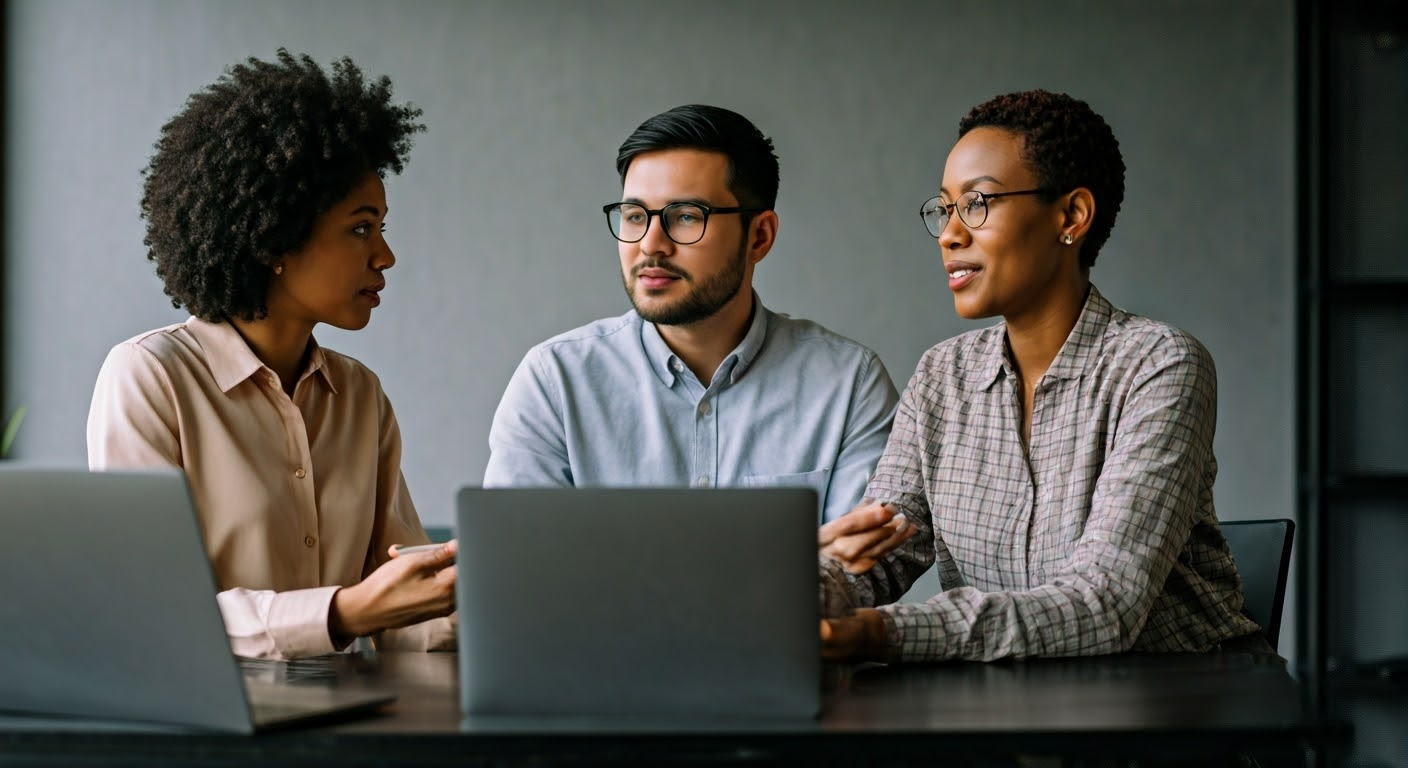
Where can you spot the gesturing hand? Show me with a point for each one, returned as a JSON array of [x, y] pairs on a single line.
[[407, 589], [859, 538]]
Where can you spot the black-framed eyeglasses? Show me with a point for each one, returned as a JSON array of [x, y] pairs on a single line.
[[684, 223], [972, 207]]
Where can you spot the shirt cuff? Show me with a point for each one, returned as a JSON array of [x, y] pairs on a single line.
[[298, 622], [894, 637]]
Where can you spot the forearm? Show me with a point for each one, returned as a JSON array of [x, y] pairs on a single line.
[[965, 623]]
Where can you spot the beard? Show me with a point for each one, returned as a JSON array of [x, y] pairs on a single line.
[[706, 297]]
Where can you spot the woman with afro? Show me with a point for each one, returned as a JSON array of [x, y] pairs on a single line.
[[1056, 467], [265, 214]]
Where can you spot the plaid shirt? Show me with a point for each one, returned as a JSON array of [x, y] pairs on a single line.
[[1101, 538]]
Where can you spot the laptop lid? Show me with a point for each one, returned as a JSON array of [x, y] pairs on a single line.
[[109, 608], [635, 601]]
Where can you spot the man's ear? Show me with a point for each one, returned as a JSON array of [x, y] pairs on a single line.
[[762, 233]]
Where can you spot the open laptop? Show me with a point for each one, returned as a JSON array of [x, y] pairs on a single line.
[[638, 602], [109, 610]]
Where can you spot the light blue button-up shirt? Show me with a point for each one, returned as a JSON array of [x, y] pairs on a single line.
[[609, 404]]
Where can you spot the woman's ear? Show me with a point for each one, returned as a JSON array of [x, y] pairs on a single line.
[[1077, 215]]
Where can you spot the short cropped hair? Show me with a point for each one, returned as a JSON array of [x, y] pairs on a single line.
[[752, 164], [243, 170], [1068, 145]]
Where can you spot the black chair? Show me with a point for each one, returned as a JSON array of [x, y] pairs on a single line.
[[1262, 550]]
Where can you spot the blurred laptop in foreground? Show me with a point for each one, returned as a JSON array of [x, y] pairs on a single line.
[[110, 611]]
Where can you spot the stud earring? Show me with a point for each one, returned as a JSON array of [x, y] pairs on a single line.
[[1068, 238], [279, 268]]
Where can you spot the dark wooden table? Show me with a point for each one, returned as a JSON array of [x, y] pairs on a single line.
[[1182, 709]]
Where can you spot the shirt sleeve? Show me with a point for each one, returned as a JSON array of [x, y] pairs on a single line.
[[528, 441], [1142, 512], [132, 420], [872, 408], [133, 424]]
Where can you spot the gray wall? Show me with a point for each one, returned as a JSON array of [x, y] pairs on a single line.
[[526, 103]]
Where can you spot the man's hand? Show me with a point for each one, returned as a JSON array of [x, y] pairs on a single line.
[[859, 538]]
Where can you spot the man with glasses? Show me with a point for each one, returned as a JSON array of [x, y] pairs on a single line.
[[699, 384]]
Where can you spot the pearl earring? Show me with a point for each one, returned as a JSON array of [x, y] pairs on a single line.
[[279, 268], [1068, 238]]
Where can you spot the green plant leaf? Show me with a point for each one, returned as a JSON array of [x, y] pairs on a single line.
[[12, 429]]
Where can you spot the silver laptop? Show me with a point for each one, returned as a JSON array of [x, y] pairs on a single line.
[[642, 602], [109, 610]]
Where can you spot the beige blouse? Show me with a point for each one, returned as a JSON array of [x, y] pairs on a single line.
[[297, 497]]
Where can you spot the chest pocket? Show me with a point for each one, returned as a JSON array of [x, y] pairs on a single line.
[[818, 480]]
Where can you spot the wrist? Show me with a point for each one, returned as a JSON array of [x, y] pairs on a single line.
[[347, 616], [873, 636]]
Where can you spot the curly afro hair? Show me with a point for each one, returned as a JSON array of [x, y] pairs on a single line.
[[242, 172], [1067, 145]]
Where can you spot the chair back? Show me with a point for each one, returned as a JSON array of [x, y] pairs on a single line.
[[1262, 551], [439, 534]]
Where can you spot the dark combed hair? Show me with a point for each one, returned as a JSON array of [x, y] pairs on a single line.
[[242, 172], [1068, 145], [752, 164]]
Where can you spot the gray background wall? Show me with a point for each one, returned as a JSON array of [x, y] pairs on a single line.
[[526, 103]]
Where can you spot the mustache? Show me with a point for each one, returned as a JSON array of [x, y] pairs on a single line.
[[662, 266]]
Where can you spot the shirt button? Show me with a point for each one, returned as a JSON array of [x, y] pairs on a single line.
[[704, 409], [300, 474], [703, 480], [677, 365], [309, 540]]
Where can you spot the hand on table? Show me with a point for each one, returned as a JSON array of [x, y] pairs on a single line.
[[857, 637]]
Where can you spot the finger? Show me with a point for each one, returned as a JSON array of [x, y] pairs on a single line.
[[856, 545], [858, 566], [856, 521], [442, 556], [884, 547], [837, 641]]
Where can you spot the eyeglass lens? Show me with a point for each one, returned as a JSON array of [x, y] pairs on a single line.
[[972, 210], [683, 222]]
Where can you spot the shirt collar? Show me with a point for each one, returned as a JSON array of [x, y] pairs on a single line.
[[1081, 346], [231, 361], [668, 366]]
